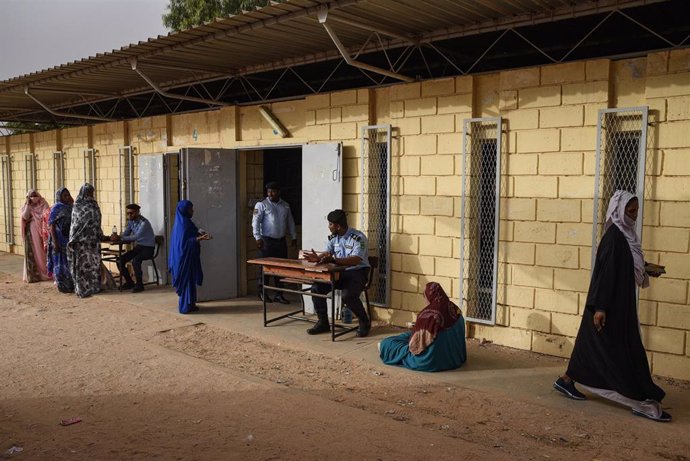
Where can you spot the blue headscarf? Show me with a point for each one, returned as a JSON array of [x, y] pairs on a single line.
[[60, 209], [184, 259]]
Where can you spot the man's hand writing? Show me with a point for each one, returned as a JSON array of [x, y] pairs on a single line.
[[312, 257]]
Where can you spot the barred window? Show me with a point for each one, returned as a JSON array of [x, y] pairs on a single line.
[[90, 167], [6, 170], [58, 170], [620, 162], [126, 167], [479, 221], [29, 171], [375, 201]]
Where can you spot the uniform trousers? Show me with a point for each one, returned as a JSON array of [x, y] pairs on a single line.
[[137, 254], [351, 284], [272, 248]]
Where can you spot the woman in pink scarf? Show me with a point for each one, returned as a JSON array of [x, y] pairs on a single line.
[[35, 214]]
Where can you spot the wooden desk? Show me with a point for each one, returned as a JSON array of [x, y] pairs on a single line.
[[299, 271], [113, 255]]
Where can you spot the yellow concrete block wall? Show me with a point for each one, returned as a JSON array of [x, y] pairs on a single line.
[[550, 116], [666, 238]]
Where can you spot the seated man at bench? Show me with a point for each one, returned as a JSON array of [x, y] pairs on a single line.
[[140, 232], [346, 247]]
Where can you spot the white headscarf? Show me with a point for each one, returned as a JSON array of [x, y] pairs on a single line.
[[616, 215]]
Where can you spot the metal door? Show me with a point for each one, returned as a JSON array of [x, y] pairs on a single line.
[[209, 180], [322, 192], [152, 201]]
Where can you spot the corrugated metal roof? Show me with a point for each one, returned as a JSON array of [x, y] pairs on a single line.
[[273, 37]]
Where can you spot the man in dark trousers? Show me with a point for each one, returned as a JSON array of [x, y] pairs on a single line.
[[346, 247], [140, 232], [271, 222]]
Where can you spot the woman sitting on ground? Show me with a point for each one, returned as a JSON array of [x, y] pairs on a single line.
[[60, 221], [437, 341], [35, 236]]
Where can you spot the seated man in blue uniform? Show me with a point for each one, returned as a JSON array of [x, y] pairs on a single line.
[[346, 247], [140, 232]]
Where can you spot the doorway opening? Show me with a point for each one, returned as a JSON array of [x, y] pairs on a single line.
[[281, 164]]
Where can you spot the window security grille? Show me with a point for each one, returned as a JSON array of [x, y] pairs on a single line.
[[481, 173], [620, 162], [375, 201], [6, 167], [126, 166], [90, 167], [58, 170], [30, 171]]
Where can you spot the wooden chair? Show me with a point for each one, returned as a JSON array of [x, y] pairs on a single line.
[[373, 265], [159, 239]]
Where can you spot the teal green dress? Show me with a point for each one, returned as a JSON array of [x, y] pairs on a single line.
[[447, 352]]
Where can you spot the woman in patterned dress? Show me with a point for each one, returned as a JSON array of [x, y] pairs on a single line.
[[83, 248]]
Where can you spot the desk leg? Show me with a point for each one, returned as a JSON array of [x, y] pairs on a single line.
[[119, 272], [332, 310], [263, 300]]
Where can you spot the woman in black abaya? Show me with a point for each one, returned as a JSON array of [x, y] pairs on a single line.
[[608, 358]]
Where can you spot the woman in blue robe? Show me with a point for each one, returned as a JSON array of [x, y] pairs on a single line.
[[436, 343], [60, 221], [184, 259]]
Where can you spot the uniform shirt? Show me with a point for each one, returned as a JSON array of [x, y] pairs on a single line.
[[273, 219], [352, 243], [140, 232]]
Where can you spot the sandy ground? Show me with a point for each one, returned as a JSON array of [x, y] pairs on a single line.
[[151, 384]]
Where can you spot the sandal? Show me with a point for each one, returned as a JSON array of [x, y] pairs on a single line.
[[664, 418]]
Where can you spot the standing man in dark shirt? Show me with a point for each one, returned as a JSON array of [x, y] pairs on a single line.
[[271, 223], [140, 232]]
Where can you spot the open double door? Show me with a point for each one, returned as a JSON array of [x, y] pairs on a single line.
[[209, 179]]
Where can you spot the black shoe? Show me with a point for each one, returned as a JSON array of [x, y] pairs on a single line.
[[364, 328], [127, 286], [138, 289], [568, 389], [321, 326], [664, 418], [268, 297], [194, 308], [281, 299]]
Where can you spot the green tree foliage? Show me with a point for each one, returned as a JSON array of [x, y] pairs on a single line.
[[28, 127], [183, 14]]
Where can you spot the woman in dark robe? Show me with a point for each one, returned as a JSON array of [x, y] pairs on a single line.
[[59, 222], [437, 341], [608, 358], [83, 248], [184, 259]]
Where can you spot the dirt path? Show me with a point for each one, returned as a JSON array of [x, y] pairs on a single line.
[[155, 385]]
